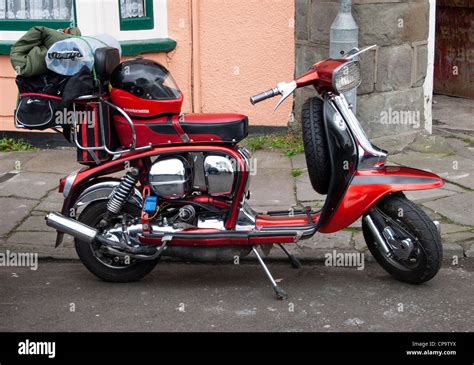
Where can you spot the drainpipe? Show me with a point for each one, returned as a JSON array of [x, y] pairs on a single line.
[[196, 56], [343, 37]]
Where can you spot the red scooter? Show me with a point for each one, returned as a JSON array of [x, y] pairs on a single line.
[[185, 182]]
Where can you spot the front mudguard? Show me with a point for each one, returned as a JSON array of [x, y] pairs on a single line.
[[367, 188]]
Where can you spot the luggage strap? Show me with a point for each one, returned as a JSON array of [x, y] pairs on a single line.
[[177, 126], [47, 96]]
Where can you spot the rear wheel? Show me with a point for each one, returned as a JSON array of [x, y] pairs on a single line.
[[414, 242], [106, 266], [315, 144]]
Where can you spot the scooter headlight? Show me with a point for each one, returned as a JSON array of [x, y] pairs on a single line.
[[347, 77]]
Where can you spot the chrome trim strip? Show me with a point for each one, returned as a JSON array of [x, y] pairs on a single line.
[[69, 182], [103, 191]]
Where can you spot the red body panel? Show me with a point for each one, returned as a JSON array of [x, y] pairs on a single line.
[[264, 220], [237, 241], [320, 75], [129, 102], [368, 187]]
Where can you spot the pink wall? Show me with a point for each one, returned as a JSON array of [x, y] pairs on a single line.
[[242, 48]]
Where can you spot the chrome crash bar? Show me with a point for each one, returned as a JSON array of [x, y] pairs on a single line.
[[97, 100]]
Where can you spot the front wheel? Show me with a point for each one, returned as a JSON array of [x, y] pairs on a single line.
[[413, 252]]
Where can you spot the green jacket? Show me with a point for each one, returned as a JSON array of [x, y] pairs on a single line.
[[28, 53]]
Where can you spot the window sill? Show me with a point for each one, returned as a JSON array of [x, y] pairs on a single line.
[[129, 48]]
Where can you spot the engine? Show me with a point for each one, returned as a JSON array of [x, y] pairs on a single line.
[[178, 177], [186, 191]]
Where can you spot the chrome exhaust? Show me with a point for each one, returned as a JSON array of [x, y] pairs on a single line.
[[72, 227]]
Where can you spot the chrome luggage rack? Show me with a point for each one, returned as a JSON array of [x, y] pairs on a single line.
[[95, 99]]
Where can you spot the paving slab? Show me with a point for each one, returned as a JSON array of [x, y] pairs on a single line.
[[456, 169], [299, 162], [447, 228], [43, 252], [455, 188], [452, 251], [14, 161], [13, 211], [305, 191], [358, 241], [457, 237], [272, 187], [470, 252], [458, 208], [34, 223], [52, 203], [423, 196], [33, 185], [338, 240], [270, 160], [453, 113], [60, 161]]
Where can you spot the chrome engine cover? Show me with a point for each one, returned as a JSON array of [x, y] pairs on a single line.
[[171, 177], [220, 175]]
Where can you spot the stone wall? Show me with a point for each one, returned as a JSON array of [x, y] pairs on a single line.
[[391, 97]]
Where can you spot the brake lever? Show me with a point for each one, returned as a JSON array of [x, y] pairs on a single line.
[[285, 89]]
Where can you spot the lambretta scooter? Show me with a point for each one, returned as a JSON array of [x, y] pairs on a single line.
[[185, 188]]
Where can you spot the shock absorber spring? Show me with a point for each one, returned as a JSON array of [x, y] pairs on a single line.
[[123, 191]]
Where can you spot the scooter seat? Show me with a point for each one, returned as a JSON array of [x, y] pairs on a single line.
[[228, 127]]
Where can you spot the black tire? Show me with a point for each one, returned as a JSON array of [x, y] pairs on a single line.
[[91, 215], [315, 144], [418, 224]]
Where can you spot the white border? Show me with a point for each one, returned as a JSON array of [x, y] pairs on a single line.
[[429, 80]]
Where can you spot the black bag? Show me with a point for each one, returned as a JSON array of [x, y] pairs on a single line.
[[94, 130], [40, 97]]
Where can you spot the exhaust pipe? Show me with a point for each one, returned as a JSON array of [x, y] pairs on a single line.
[[72, 227]]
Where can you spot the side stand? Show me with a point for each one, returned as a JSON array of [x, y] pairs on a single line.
[[280, 293], [295, 263]]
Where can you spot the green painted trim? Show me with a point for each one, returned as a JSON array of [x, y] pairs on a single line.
[[142, 23], [5, 47], [129, 48], [26, 24], [157, 45], [23, 24]]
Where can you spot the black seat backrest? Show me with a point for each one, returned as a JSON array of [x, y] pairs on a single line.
[[106, 59]]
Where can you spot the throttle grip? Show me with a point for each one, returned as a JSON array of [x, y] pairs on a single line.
[[264, 96]]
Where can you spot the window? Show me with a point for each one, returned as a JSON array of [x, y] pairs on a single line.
[[24, 14], [136, 14]]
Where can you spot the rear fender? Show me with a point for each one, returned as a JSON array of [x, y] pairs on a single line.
[[369, 187], [97, 190], [102, 190]]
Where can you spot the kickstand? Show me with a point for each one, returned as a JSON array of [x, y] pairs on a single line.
[[295, 263], [280, 293]]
